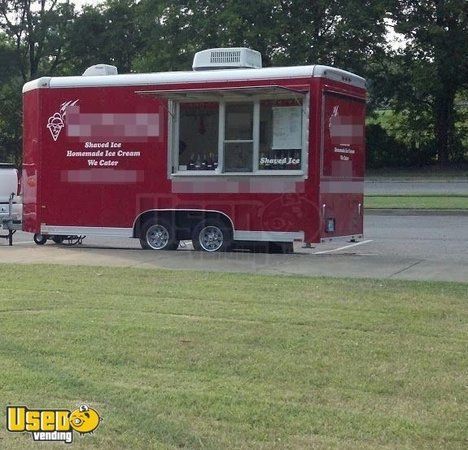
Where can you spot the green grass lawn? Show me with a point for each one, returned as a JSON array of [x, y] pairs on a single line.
[[416, 201], [206, 360]]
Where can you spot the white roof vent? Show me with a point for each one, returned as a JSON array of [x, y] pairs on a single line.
[[227, 58], [100, 69]]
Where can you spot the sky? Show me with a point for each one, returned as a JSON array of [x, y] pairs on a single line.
[[80, 3]]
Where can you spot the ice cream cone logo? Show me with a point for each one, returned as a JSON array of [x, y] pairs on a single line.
[[334, 121], [334, 116], [56, 122], [55, 125]]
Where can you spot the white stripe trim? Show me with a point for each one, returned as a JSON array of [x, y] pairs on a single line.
[[87, 231], [266, 236]]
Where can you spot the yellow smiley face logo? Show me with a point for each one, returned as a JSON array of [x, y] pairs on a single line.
[[84, 419]]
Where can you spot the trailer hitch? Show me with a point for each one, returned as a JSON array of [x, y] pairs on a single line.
[[41, 239]]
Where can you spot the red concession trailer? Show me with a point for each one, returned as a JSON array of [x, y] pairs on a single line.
[[228, 152]]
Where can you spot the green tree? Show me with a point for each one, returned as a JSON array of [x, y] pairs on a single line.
[[286, 32], [106, 33], [37, 30], [171, 35], [347, 34], [433, 66], [33, 36], [10, 121]]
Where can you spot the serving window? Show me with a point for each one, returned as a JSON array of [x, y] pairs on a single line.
[[238, 137], [281, 134], [248, 136], [198, 136]]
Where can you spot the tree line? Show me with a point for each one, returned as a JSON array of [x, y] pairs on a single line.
[[418, 92]]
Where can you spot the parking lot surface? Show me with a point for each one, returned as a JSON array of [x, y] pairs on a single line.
[[413, 187], [401, 247]]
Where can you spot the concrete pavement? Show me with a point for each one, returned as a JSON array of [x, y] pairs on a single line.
[[431, 248]]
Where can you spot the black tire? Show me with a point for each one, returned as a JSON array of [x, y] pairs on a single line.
[[158, 234], [280, 247], [58, 239], [212, 235], [40, 239]]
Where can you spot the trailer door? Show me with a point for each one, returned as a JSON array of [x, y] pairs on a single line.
[[342, 165]]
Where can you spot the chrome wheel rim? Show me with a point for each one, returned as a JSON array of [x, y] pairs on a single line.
[[157, 237], [211, 238]]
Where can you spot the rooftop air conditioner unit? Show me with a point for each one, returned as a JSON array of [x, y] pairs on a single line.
[[227, 58], [100, 69]]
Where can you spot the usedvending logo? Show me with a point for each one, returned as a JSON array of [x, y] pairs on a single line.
[[52, 425], [56, 122]]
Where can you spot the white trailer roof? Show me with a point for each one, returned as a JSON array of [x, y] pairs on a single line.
[[206, 76]]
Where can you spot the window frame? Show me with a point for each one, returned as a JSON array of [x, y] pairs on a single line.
[[173, 138]]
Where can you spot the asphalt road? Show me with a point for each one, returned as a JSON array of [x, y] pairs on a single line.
[[401, 247], [401, 187]]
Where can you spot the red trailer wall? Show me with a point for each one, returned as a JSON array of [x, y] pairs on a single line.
[[66, 190], [342, 163]]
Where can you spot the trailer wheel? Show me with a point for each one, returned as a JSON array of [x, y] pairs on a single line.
[[158, 234], [212, 235], [40, 239], [58, 239]]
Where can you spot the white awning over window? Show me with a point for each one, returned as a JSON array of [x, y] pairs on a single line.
[[228, 93]]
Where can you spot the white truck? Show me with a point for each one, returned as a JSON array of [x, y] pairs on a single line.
[[11, 206]]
